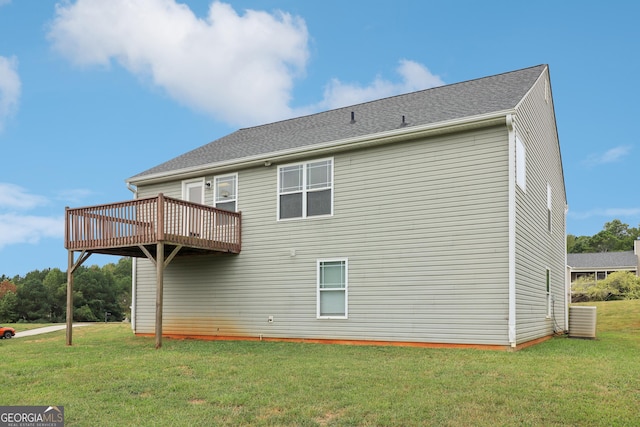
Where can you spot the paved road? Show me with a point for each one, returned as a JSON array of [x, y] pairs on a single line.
[[46, 329]]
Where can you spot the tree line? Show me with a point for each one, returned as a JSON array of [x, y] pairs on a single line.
[[99, 294], [614, 237]]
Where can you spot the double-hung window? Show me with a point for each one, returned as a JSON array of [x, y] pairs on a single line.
[[332, 288], [305, 189], [226, 195]]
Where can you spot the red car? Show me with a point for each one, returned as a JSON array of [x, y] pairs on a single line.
[[7, 332]]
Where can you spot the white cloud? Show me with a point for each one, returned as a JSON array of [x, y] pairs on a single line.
[[414, 77], [15, 197], [237, 68], [610, 156], [9, 88], [15, 226]]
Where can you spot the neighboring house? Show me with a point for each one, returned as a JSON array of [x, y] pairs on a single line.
[[431, 218], [600, 265]]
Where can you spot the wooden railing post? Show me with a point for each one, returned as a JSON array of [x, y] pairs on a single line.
[[66, 227], [70, 298], [160, 219]]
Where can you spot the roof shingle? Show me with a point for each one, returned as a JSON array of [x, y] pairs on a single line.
[[445, 103], [603, 260]]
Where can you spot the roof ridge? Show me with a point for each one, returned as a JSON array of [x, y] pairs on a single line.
[[440, 104], [393, 96]]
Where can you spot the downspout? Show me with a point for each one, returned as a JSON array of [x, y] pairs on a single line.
[[512, 230], [134, 265]]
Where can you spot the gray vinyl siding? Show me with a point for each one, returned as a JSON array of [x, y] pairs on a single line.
[[424, 225], [537, 249]]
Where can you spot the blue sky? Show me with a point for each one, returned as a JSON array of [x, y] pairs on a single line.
[[93, 92]]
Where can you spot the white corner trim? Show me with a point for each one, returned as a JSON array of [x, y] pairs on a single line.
[[512, 229]]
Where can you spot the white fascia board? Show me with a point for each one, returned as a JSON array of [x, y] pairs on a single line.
[[405, 133]]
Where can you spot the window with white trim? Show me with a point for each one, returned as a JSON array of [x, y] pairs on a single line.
[[332, 288], [521, 165], [305, 189], [226, 192]]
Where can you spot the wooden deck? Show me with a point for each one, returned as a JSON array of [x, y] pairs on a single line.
[[133, 228]]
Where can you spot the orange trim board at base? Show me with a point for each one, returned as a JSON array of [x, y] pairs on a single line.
[[354, 342]]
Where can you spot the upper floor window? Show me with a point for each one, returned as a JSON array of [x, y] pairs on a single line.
[[226, 192], [305, 189]]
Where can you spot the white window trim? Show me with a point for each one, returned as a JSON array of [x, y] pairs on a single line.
[[215, 186], [304, 190], [346, 287], [190, 182]]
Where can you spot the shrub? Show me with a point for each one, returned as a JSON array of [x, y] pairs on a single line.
[[616, 286]]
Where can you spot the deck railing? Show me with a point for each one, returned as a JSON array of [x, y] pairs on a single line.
[[151, 220]]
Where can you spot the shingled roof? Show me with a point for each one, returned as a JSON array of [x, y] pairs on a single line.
[[603, 260], [478, 97]]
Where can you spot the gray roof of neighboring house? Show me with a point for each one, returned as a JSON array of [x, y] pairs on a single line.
[[445, 103], [602, 260]]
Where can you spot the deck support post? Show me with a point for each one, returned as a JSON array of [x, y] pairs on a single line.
[[72, 267], [159, 292]]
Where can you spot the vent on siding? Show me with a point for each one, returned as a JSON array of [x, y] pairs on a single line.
[[582, 322]]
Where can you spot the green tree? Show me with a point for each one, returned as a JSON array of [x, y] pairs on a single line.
[[99, 292], [8, 308], [55, 283], [615, 236], [33, 300]]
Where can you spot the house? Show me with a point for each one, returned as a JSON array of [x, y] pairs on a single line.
[[432, 218], [601, 264]]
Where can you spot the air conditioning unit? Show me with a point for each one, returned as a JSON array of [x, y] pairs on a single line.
[[582, 322]]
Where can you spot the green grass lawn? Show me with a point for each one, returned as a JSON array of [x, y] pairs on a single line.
[[111, 378]]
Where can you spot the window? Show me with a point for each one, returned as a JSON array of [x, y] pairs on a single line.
[[305, 189], [521, 165], [548, 293], [549, 207], [332, 289], [226, 194]]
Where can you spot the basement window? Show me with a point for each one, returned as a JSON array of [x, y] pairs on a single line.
[[332, 288]]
